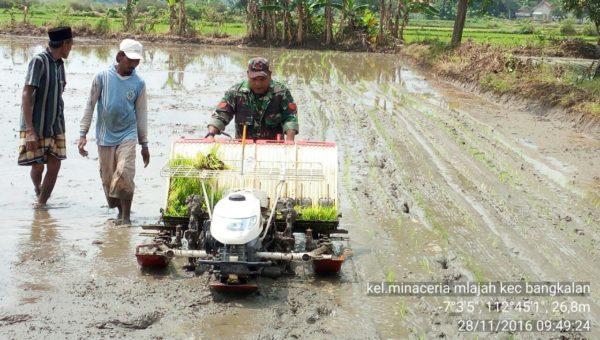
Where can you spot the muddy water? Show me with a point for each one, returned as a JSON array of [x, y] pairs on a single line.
[[436, 185]]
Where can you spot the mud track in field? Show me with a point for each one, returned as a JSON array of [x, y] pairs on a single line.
[[437, 185]]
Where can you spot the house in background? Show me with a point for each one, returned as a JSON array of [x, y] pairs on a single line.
[[540, 12]]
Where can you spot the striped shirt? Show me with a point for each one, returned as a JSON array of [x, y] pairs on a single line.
[[121, 105], [47, 75]]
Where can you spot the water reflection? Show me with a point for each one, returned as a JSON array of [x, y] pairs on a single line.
[[43, 237], [176, 64], [115, 252], [329, 67], [42, 245], [102, 52], [16, 55], [338, 67], [185, 82], [39, 256]]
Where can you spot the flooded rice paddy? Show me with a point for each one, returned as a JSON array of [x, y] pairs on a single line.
[[437, 185]]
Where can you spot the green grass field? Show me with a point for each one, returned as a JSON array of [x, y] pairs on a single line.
[[496, 32], [48, 19], [492, 37]]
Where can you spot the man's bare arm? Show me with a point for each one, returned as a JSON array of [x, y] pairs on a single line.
[[31, 137]]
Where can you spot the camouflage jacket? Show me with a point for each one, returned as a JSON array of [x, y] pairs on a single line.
[[271, 114]]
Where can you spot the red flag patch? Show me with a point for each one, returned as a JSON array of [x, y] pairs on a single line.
[[292, 106], [222, 105]]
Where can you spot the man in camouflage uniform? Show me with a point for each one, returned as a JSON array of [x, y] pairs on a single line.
[[264, 105]]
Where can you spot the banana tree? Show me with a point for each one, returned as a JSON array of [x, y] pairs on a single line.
[[381, 20], [351, 11], [172, 4], [252, 18], [12, 12], [303, 11], [129, 15], [283, 9], [153, 16], [269, 19], [182, 18], [404, 9], [25, 9], [300, 9], [329, 7], [177, 17]]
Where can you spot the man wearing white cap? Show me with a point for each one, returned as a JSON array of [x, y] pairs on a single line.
[[119, 96]]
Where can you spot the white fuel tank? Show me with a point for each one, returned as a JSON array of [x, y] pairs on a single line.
[[236, 218]]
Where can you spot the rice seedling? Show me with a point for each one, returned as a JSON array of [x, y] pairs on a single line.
[[426, 265], [318, 213], [477, 272], [402, 310], [390, 276], [180, 188], [181, 161], [210, 161]]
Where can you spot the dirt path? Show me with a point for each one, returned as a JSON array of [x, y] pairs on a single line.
[[437, 185]]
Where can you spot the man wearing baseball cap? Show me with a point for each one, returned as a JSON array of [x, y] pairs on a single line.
[[42, 128], [265, 106], [119, 95]]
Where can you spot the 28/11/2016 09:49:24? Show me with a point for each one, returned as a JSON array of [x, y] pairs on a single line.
[[507, 325]]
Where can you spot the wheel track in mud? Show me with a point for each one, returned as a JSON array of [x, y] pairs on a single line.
[[481, 199], [364, 203]]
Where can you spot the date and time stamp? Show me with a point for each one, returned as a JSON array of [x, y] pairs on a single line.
[[511, 325]]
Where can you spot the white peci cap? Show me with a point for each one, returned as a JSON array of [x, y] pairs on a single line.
[[132, 49]]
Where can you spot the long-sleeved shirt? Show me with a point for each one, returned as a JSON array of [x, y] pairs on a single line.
[[266, 115], [122, 112]]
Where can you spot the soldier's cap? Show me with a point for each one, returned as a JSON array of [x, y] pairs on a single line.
[[133, 49], [60, 33], [258, 67]]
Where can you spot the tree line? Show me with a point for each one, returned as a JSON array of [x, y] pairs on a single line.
[[327, 22]]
